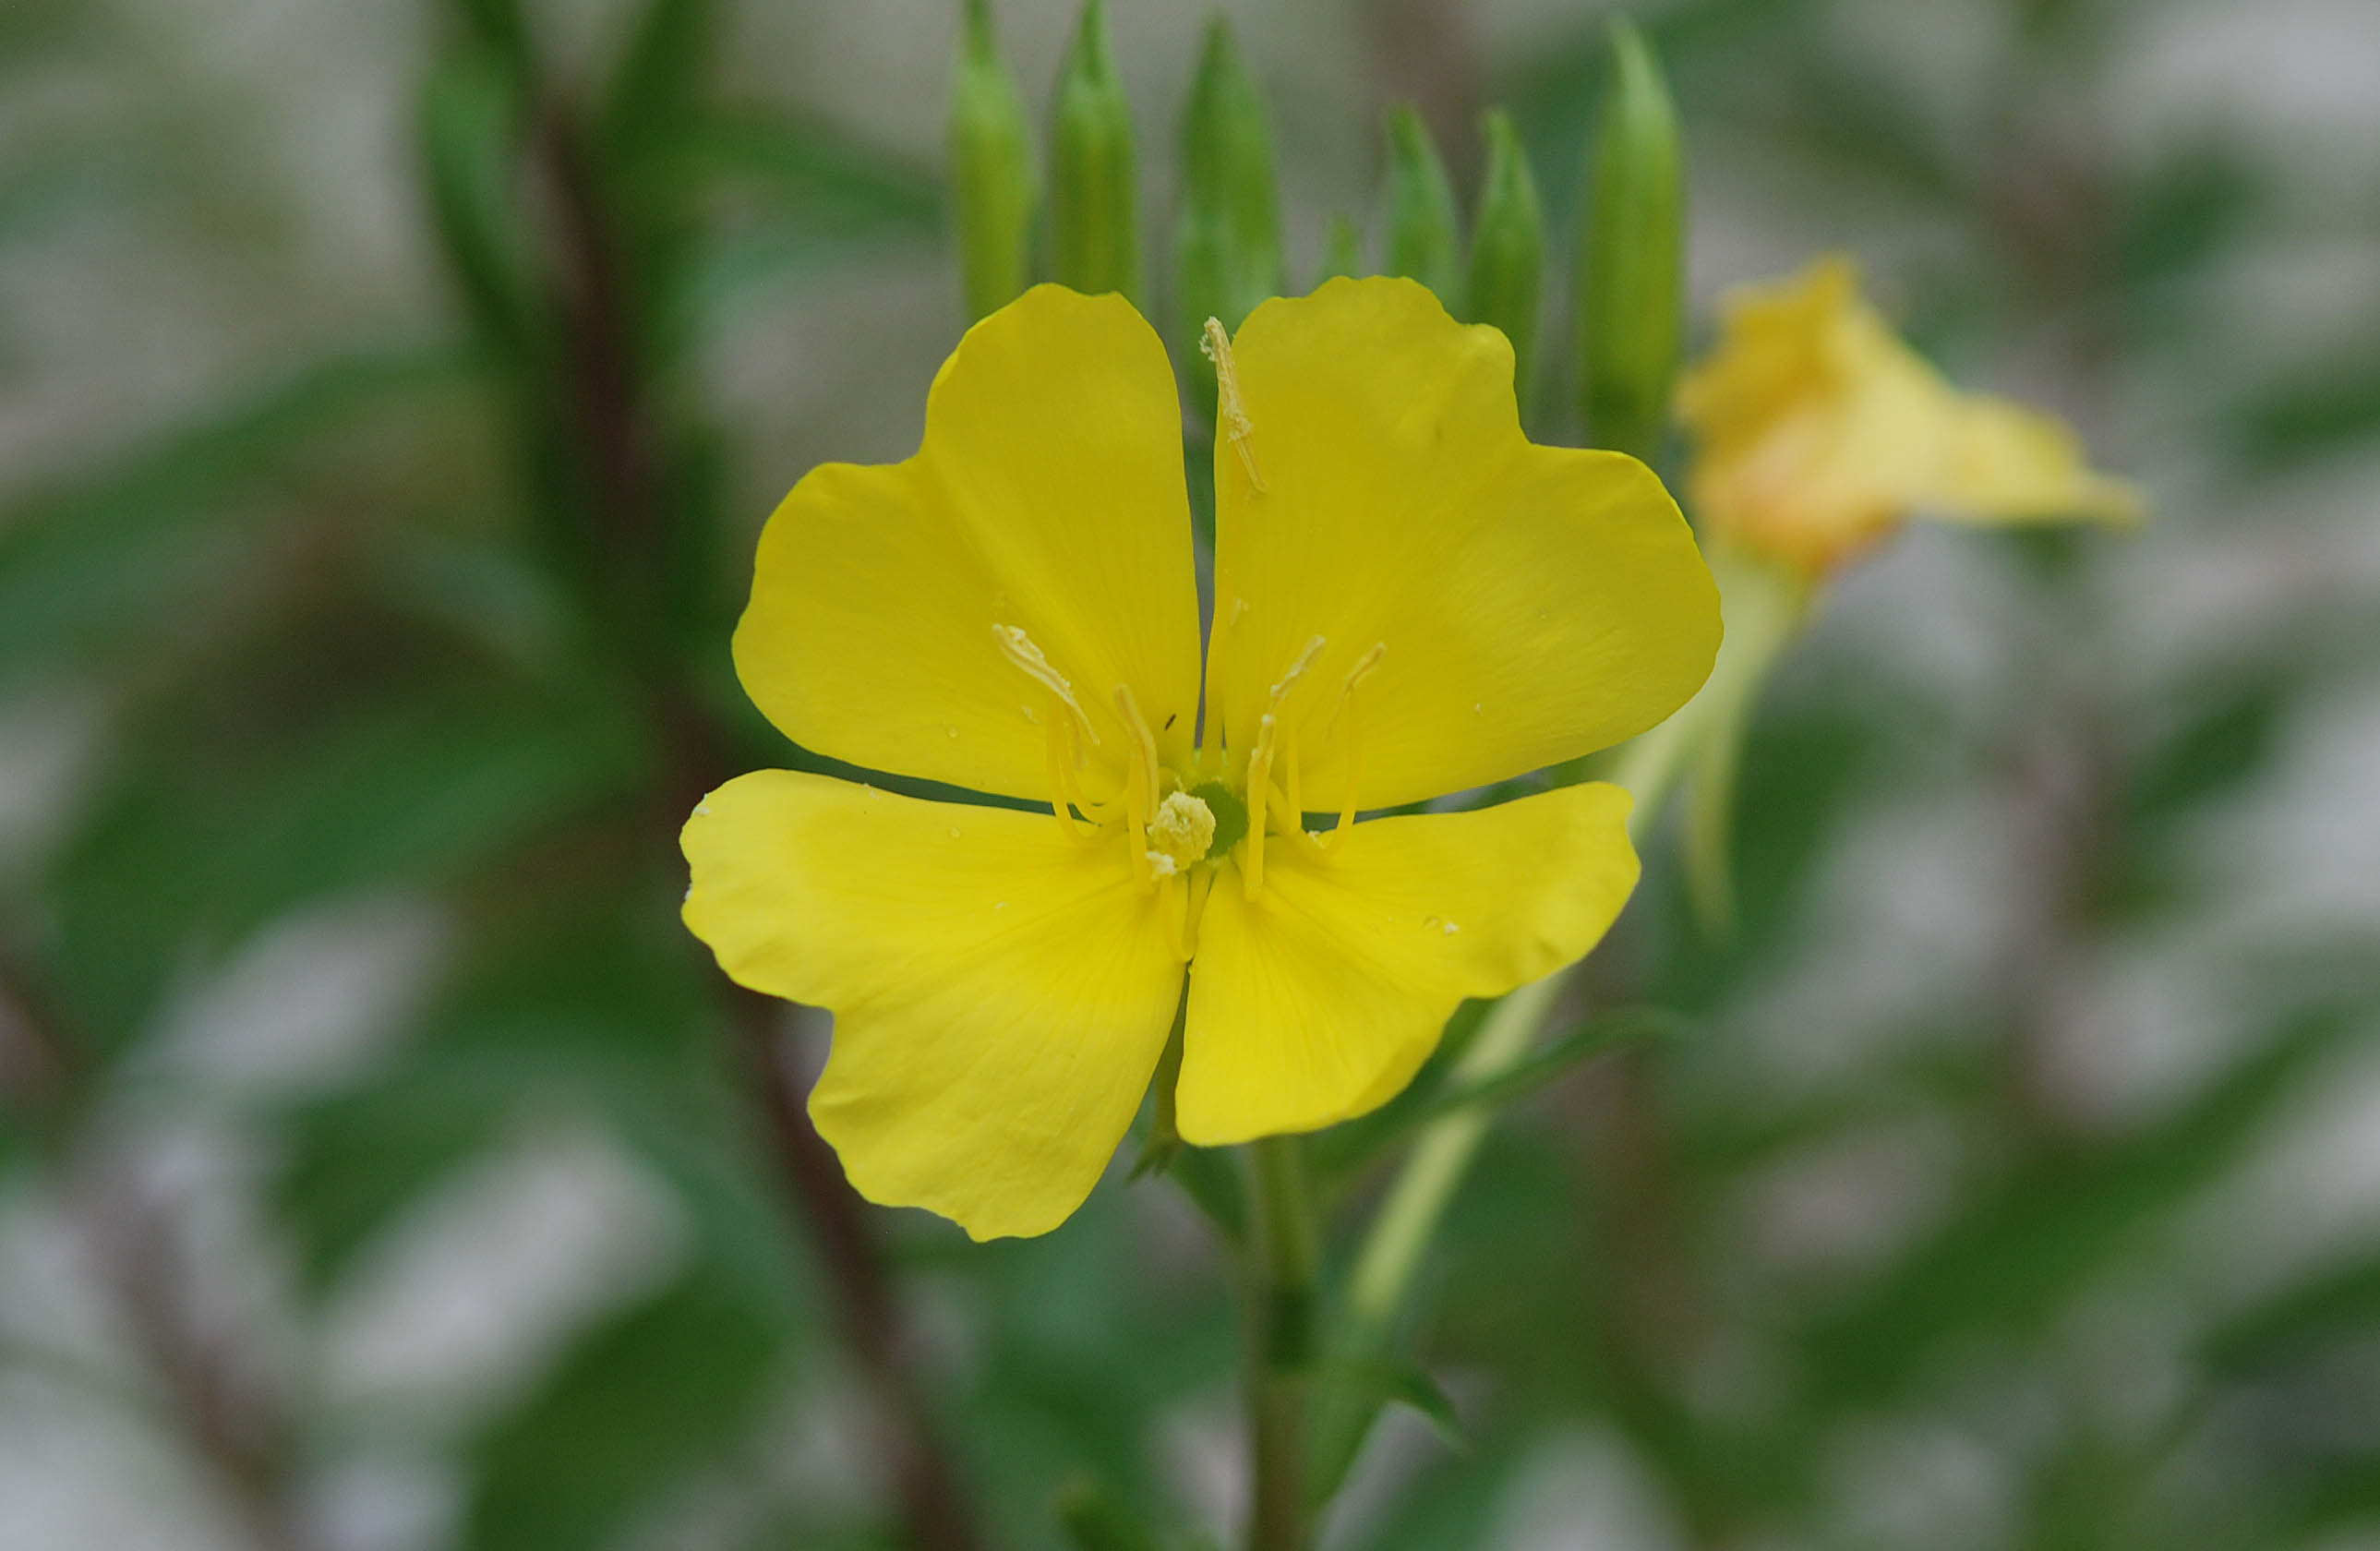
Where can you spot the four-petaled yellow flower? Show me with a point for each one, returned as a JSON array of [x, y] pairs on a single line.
[[1411, 599], [1817, 430]]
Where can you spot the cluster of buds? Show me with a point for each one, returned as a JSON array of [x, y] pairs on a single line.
[[1081, 225]]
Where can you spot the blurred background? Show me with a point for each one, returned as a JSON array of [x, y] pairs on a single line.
[[390, 393]]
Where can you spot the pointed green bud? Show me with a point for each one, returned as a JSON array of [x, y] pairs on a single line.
[[1508, 251], [1228, 234], [1630, 256], [1343, 249], [1094, 196], [1424, 240], [992, 170]]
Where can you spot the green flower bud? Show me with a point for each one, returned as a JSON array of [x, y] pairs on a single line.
[[1631, 273], [1228, 237], [1508, 251], [1424, 234], [992, 170], [1343, 249], [1094, 197]]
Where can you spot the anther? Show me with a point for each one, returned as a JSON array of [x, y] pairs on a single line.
[[1231, 410]]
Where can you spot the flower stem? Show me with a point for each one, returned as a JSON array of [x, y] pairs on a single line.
[[1280, 1345], [1416, 1202]]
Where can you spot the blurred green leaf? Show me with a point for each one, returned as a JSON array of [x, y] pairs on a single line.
[[191, 850], [1357, 1143], [2022, 1249], [472, 130], [591, 1013], [660, 75], [2323, 409], [670, 1387], [98, 562], [1402, 1383], [2303, 1319], [1096, 1520]]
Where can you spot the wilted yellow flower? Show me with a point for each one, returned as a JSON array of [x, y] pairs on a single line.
[[1817, 430], [1411, 599]]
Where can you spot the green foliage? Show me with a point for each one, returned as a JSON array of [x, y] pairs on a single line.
[[991, 170], [673, 1385], [1343, 249], [1507, 251], [1094, 179], [1425, 229], [408, 617], [1227, 231], [1632, 263]]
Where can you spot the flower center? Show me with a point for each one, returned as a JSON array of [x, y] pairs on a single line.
[[1167, 832], [1181, 833]]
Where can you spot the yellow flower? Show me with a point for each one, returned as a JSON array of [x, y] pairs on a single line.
[[1412, 601], [1817, 430]]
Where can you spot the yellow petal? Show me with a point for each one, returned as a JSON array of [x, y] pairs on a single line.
[[1817, 429], [1317, 999], [2003, 463], [1047, 496], [1533, 603], [1000, 993]]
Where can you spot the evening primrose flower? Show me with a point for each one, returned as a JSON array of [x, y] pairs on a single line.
[[1819, 430], [1410, 600]]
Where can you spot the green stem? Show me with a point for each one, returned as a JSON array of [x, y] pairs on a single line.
[[1416, 1202], [1280, 1346]]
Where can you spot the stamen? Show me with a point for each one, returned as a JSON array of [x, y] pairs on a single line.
[[1297, 670], [1231, 410], [1352, 758], [1259, 801], [1018, 648], [1144, 745]]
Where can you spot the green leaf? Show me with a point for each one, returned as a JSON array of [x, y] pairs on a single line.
[[660, 78], [1357, 1143], [472, 125], [668, 1389], [2021, 1250], [599, 1012], [1389, 1382], [1096, 1520], [95, 563], [2305, 1319], [198, 845]]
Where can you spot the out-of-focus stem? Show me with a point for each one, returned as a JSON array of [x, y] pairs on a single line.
[[1417, 1199], [608, 398], [1280, 1345]]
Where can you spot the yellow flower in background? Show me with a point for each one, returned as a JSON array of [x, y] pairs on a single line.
[[1817, 430], [1411, 601]]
